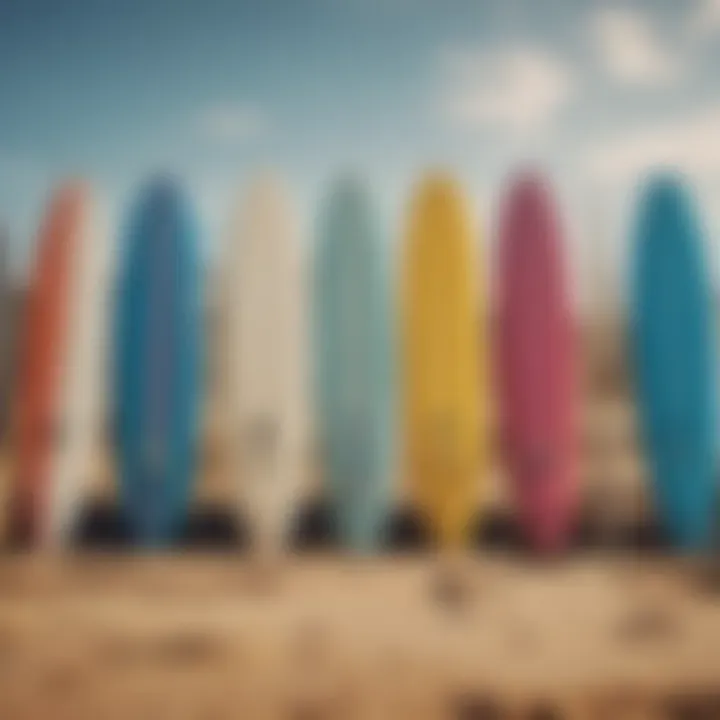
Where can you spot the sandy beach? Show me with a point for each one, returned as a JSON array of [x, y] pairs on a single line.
[[200, 637]]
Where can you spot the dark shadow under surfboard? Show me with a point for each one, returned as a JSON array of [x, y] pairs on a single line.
[[215, 527]]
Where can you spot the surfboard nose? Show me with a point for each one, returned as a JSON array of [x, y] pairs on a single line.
[[162, 184], [665, 184], [529, 198], [437, 189], [666, 201], [70, 195], [162, 193]]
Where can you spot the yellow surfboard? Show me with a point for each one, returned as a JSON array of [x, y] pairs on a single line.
[[445, 366]]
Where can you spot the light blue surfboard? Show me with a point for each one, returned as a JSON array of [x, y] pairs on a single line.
[[673, 338], [353, 365], [157, 338]]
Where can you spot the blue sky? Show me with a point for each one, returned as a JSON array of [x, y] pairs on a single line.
[[213, 89]]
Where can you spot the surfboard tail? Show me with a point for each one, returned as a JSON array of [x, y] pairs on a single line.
[[269, 477]]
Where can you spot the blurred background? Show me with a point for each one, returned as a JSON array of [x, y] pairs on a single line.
[[594, 93]]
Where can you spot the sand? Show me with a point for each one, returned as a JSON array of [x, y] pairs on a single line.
[[103, 636]]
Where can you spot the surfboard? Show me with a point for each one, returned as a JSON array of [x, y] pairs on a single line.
[[353, 365], [673, 341], [6, 350], [7, 346], [60, 379], [536, 364], [267, 364], [444, 364], [157, 362]]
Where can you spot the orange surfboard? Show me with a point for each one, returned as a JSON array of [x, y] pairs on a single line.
[[40, 373]]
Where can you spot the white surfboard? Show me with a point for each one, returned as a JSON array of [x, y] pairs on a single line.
[[266, 362], [82, 388]]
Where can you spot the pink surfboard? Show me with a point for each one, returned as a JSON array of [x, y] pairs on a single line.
[[536, 365]]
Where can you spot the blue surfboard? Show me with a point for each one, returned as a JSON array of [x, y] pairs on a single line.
[[353, 365], [673, 339], [157, 362]]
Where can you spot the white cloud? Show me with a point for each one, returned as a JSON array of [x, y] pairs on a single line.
[[233, 123], [704, 22], [630, 51], [521, 90], [690, 145]]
